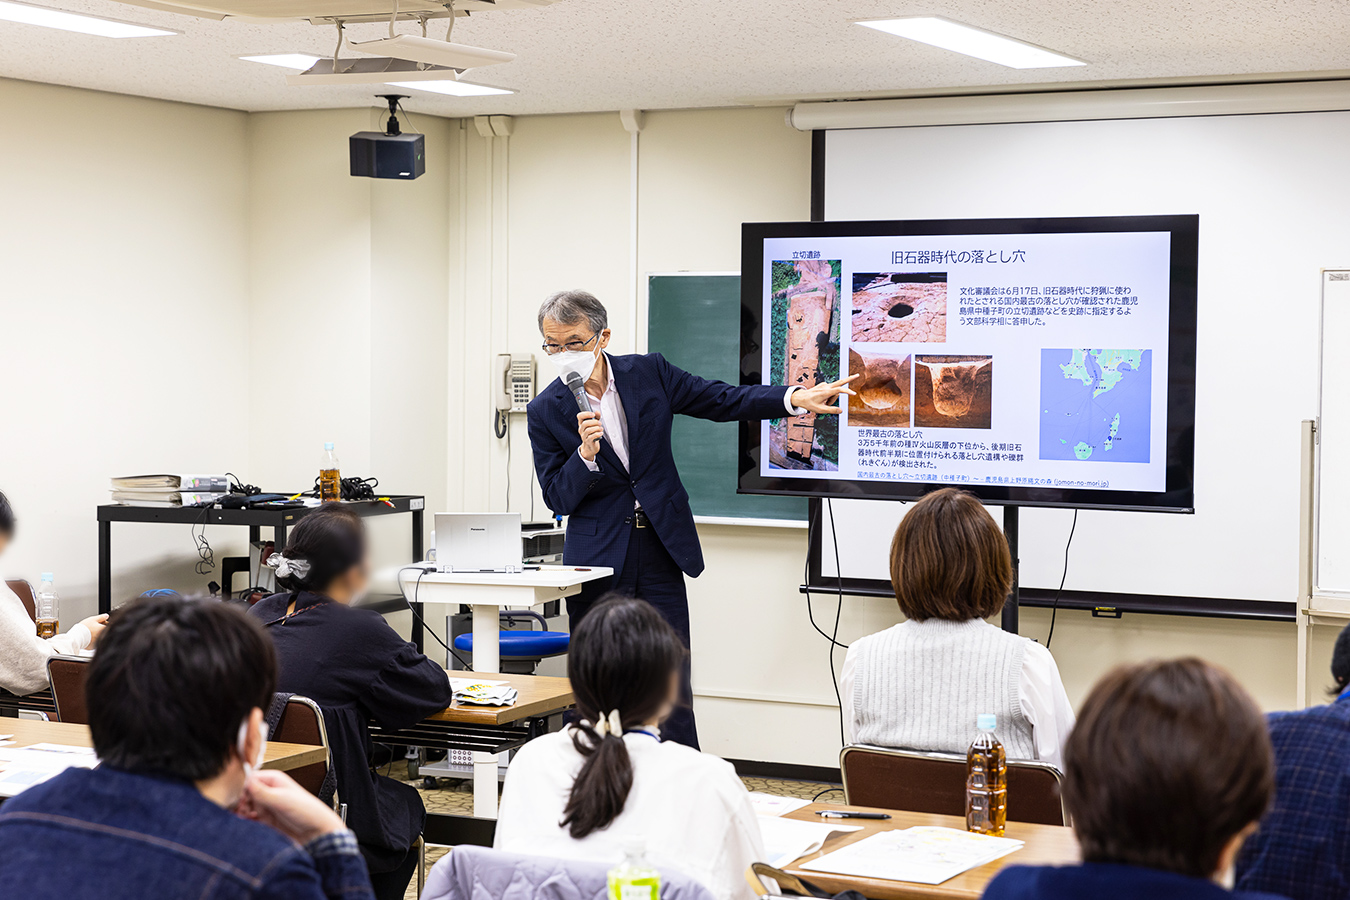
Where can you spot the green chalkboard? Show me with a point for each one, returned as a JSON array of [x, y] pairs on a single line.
[[695, 322]]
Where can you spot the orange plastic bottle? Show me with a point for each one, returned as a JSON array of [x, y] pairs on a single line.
[[986, 781]]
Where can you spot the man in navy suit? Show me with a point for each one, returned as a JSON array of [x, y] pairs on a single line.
[[611, 470]]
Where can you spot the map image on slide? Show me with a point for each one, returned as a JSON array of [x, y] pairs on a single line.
[[1095, 405]]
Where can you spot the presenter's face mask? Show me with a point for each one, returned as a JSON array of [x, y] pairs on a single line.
[[582, 362]]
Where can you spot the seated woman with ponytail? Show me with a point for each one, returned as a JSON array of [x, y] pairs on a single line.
[[357, 668], [588, 790]]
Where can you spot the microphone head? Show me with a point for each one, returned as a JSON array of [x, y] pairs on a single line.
[[574, 381]]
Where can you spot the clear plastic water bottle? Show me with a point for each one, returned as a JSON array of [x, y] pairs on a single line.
[[634, 878], [330, 475], [48, 608], [986, 780]]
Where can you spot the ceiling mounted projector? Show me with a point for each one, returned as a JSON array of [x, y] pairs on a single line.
[[370, 70], [329, 11], [433, 52]]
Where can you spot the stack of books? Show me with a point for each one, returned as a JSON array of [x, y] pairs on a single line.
[[168, 491]]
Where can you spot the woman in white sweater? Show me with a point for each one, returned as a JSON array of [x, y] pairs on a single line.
[[589, 790], [920, 684], [24, 655]]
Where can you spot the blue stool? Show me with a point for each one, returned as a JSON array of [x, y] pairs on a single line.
[[521, 651]]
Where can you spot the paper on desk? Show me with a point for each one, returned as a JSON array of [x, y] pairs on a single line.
[[459, 684], [789, 839], [771, 805], [484, 693], [923, 855], [23, 767]]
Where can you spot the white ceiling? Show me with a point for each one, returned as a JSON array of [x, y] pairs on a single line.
[[583, 55]]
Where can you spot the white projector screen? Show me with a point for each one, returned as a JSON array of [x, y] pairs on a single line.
[[1273, 199]]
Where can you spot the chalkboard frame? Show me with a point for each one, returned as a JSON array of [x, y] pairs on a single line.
[[723, 340]]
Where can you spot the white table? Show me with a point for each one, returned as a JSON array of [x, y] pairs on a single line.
[[487, 594]]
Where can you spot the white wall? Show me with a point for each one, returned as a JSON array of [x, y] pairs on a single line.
[[348, 311], [190, 289], [124, 318]]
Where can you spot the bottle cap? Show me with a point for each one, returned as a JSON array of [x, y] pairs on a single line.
[[986, 721], [634, 846], [328, 445], [47, 576]]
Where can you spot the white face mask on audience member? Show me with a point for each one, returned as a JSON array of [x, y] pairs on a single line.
[[241, 744]]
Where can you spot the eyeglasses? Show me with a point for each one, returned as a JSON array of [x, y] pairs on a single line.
[[570, 346]]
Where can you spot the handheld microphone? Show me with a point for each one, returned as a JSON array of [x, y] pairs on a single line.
[[577, 385]]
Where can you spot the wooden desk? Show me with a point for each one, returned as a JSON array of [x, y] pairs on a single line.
[[31, 731], [1045, 845], [540, 695]]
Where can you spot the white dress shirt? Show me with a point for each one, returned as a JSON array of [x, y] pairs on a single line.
[[690, 809], [24, 655], [1040, 689], [610, 407]]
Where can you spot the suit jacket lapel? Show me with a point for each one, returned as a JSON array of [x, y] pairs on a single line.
[[628, 383], [568, 405]]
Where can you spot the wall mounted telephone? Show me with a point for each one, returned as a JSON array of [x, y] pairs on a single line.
[[514, 381], [512, 386]]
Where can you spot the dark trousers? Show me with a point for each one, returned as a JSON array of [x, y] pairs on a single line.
[[650, 574]]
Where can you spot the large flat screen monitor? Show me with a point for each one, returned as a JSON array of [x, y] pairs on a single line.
[[1035, 362]]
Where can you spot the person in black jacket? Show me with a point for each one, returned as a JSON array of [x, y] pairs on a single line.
[[357, 668]]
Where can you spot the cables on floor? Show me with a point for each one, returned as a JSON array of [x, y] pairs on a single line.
[[1054, 607]]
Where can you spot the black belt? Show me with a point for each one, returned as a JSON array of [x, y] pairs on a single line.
[[638, 519]]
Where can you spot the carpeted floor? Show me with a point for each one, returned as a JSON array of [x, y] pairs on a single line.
[[456, 798]]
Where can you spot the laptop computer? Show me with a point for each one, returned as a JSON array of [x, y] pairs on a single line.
[[478, 542]]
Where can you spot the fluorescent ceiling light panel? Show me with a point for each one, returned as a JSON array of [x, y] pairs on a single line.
[[27, 14], [454, 88], [976, 42], [297, 61]]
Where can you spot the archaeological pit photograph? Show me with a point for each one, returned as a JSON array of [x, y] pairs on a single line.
[[953, 391], [883, 389], [804, 350], [899, 307]]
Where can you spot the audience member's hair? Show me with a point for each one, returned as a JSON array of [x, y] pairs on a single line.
[[6, 516], [331, 539], [171, 683], [1340, 662], [949, 559], [1167, 763], [622, 657]]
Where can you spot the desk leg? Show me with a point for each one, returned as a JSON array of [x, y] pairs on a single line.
[[418, 638], [486, 658], [104, 567]]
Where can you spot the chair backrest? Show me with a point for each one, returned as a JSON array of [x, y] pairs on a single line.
[[25, 592], [480, 873], [67, 675], [302, 723], [936, 783]]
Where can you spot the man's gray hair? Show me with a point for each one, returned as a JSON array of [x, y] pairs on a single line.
[[571, 307]]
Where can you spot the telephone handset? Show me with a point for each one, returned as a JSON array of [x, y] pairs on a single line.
[[513, 382]]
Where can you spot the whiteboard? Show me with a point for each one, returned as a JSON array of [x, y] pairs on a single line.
[[1274, 209], [1333, 434]]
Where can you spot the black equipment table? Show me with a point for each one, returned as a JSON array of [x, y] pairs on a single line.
[[279, 520]]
